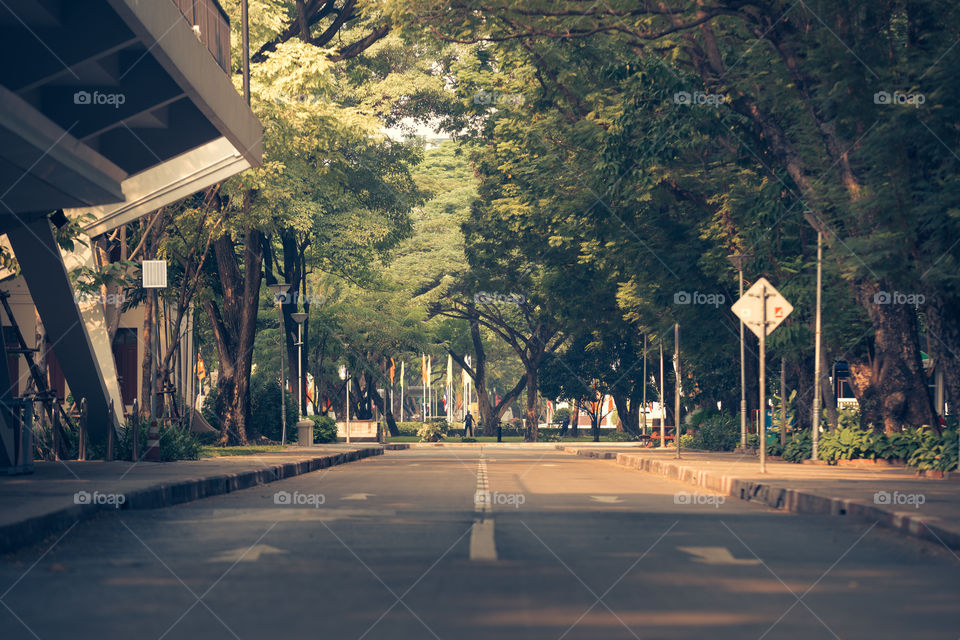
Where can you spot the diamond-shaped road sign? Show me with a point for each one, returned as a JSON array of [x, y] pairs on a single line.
[[749, 308]]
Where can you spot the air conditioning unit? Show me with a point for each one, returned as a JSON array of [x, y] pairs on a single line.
[[154, 274]]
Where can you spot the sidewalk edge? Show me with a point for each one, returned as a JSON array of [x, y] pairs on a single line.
[[32, 530]]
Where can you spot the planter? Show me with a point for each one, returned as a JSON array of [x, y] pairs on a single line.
[[867, 462]]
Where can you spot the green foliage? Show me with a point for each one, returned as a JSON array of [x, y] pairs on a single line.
[[409, 428], [265, 408], [617, 436], [176, 442], [848, 443], [799, 447], [432, 431], [324, 429], [714, 431], [936, 452], [687, 441], [560, 414]]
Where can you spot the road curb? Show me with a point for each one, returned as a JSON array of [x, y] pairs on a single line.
[[786, 499], [35, 529]]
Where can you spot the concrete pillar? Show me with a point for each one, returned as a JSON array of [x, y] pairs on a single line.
[[36, 249]]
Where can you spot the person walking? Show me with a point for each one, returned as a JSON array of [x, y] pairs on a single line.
[[468, 425]]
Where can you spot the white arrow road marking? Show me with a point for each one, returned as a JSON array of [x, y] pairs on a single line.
[[606, 499], [716, 555], [358, 496], [483, 545], [246, 554]]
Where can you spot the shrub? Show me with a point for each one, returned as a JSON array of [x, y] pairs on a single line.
[[265, 408], [852, 442], [937, 452], [560, 414], [409, 428], [176, 442], [687, 441], [799, 447], [324, 428], [433, 431], [618, 436], [714, 431]]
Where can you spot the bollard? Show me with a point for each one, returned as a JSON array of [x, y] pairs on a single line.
[[499, 433], [55, 425], [135, 426], [111, 435], [153, 442], [82, 447]]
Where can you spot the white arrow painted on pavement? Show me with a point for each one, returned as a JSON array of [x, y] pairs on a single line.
[[358, 496], [716, 555], [246, 554], [607, 499]]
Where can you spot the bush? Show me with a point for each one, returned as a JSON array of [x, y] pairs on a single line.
[[937, 452], [714, 431], [265, 408], [560, 414], [409, 428], [176, 442], [432, 431], [799, 447], [687, 441], [852, 442], [620, 436], [324, 428]]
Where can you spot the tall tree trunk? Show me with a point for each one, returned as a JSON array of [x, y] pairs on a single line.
[[898, 369], [943, 329], [533, 419], [575, 421], [234, 330]]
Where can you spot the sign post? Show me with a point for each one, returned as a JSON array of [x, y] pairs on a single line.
[[762, 308]]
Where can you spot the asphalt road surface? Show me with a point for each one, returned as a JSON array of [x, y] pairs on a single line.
[[460, 543]]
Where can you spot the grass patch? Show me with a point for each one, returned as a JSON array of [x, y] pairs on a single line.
[[218, 452]]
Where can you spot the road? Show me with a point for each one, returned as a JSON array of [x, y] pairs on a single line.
[[467, 542]]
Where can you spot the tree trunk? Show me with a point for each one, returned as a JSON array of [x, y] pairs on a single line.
[[575, 421], [533, 420], [628, 410], [943, 329], [898, 370], [235, 329]]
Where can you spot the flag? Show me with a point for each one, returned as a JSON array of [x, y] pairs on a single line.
[[201, 369], [423, 368], [401, 372], [449, 370], [393, 369], [429, 369]]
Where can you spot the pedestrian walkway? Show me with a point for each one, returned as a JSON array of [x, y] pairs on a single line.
[[895, 497], [58, 494]]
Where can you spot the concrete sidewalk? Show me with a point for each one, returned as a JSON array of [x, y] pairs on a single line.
[[895, 497], [58, 494]]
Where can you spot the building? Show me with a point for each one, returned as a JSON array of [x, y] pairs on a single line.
[[109, 109]]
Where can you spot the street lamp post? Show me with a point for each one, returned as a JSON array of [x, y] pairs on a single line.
[[643, 409], [299, 318], [737, 260], [280, 290], [817, 364], [343, 376]]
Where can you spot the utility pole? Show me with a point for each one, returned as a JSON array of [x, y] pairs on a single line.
[[762, 430], [643, 408], [738, 260], [783, 402], [817, 363], [676, 386], [663, 405]]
